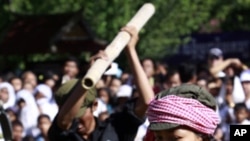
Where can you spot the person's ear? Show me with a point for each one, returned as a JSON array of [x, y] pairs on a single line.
[[94, 105]]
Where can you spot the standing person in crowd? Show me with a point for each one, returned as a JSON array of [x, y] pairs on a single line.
[[188, 73], [220, 67], [29, 77], [17, 130], [160, 74], [126, 78], [44, 123], [105, 95], [202, 81], [29, 87], [241, 113], [11, 113], [172, 79], [217, 64], [45, 101], [7, 95], [245, 81], [71, 69], [17, 83], [227, 105], [123, 95], [66, 127], [226, 108], [113, 72], [186, 112], [50, 79], [114, 86], [28, 112], [102, 96], [100, 109], [149, 68]]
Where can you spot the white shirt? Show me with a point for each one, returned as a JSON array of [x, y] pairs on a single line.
[[248, 104], [244, 122], [142, 130], [101, 107]]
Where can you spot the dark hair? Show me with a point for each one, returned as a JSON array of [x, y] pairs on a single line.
[[151, 59], [21, 100], [14, 77], [187, 71], [206, 137], [48, 75], [171, 73], [134, 91], [17, 123], [227, 80], [42, 116], [11, 110], [147, 58], [240, 106], [105, 89], [28, 138], [202, 78], [72, 59]]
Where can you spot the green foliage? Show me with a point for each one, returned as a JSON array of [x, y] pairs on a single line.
[[170, 26], [44, 6], [4, 18], [232, 15], [161, 35]]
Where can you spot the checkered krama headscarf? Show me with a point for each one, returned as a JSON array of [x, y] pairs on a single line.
[[187, 105]]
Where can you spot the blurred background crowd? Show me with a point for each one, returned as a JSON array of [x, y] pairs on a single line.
[[31, 108], [43, 44]]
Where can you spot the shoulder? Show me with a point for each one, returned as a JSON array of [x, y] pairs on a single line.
[[246, 122], [106, 130], [39, 138], [127, 117], [56, 133]]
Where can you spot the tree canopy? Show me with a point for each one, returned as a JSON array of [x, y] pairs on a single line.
[[167, 29]]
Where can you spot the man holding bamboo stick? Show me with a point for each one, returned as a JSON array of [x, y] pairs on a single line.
[[75, 120]]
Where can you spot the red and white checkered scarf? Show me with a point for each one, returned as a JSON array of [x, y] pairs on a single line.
[[183, 111]]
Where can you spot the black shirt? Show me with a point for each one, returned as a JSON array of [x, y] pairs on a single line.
[[120, 126]]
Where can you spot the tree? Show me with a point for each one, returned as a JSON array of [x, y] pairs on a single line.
[[166, 30], [233, 14], [162, 33]]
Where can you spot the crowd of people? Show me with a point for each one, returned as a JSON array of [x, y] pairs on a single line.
[[32, 107]]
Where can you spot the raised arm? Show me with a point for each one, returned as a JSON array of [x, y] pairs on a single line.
[[231, 61], [216, 69], [143, 86], [71, 107]]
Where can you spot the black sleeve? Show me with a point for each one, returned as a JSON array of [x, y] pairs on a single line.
[[55, 133], [126, 122]]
